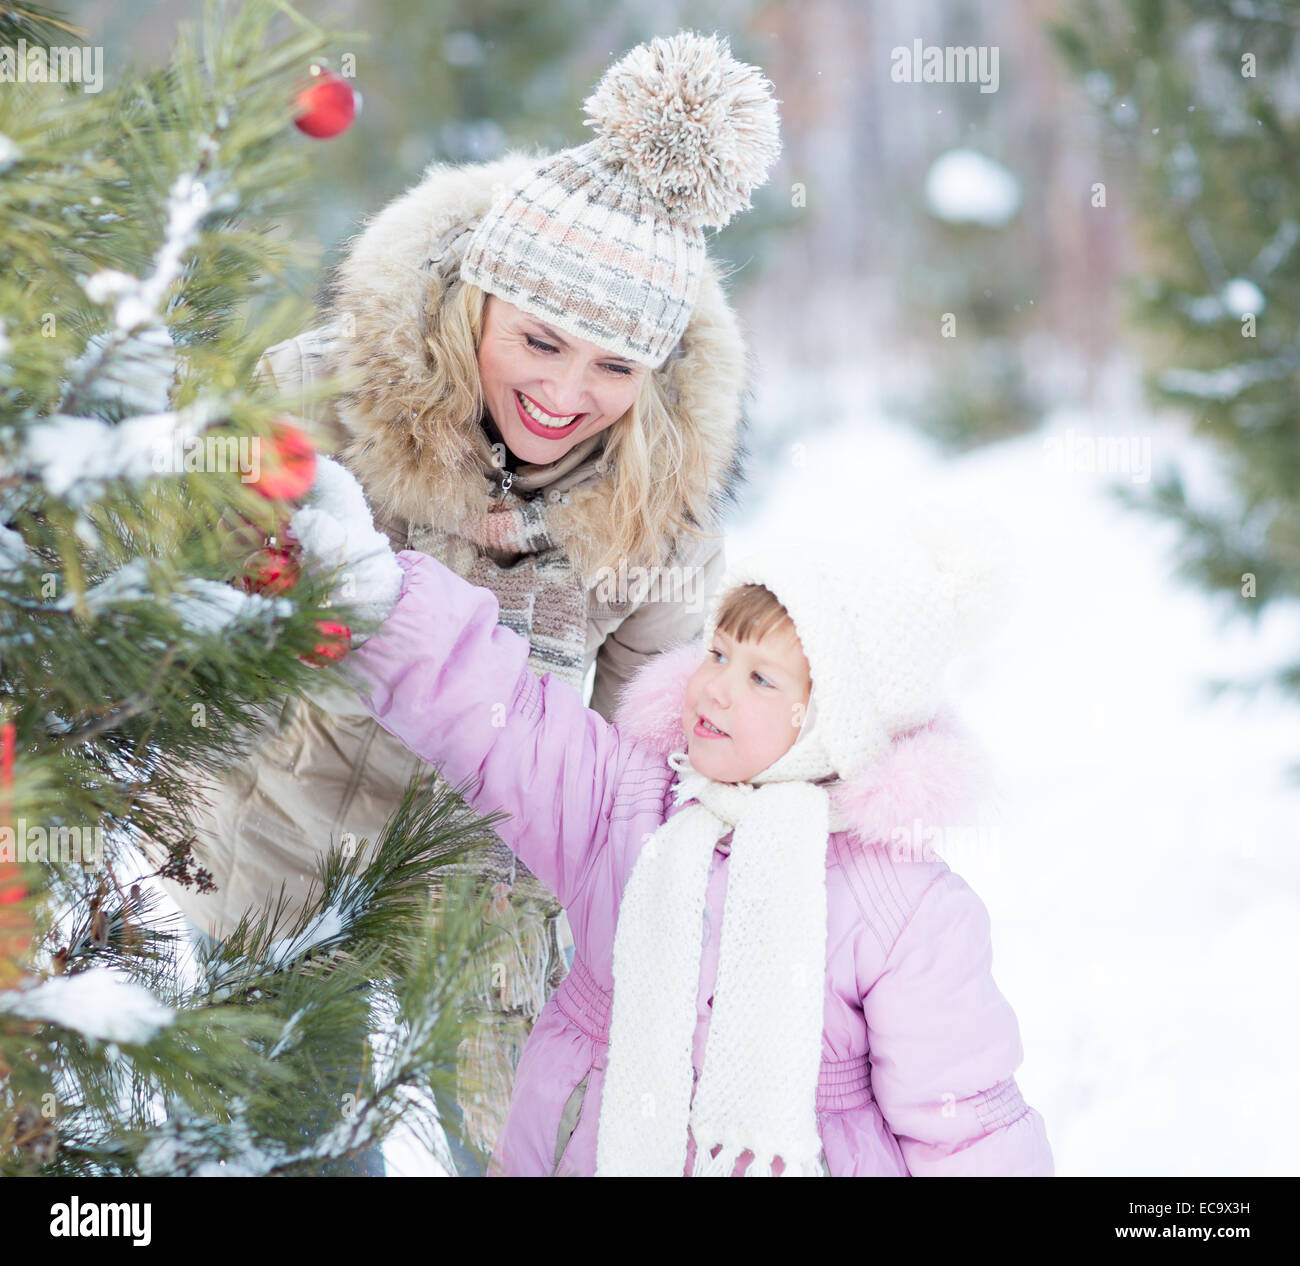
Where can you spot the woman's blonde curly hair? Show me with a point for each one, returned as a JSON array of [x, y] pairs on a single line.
[[651, 459]]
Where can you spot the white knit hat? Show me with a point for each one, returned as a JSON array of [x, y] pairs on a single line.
[[605, 240], [878, 623]]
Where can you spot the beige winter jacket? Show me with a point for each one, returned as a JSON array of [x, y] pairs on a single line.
[[314, 776]]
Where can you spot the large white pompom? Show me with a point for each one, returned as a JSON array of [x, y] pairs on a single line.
[[973, 551], [699, 129]]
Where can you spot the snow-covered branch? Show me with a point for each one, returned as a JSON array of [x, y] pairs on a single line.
[[78, 458], [137, 302]]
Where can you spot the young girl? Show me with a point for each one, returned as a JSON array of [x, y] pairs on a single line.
[[764, 983]]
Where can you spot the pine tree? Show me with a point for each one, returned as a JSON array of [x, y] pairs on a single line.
[[1200, 105], [139, 257]]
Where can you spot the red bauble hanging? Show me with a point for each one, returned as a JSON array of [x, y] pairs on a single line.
[[327, 105], [336, 642], [270, 570], [16, 929], [289, 469], [15, 926]]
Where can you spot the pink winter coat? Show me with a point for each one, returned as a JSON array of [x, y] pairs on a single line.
[[919, 1047]]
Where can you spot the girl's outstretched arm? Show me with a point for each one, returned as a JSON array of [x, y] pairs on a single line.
[[945, 1045], [443, 677]]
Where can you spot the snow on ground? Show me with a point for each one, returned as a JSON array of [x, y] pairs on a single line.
[[1139, 869]]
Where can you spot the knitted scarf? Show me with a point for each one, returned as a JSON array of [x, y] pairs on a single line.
[[540, 593], [757, 1091]]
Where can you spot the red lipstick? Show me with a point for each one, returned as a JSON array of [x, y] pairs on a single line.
[[536, 428]]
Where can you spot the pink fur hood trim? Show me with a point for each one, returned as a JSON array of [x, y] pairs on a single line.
[[934, 775]]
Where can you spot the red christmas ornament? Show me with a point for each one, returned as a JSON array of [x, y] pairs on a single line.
[[337, 642], [15, 927], [291, 470], [8, 739], [270, 570], [327, 105]]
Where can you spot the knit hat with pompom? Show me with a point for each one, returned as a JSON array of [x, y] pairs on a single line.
[[605, 241]]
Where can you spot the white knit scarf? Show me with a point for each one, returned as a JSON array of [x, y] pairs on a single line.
[[758, 1088]]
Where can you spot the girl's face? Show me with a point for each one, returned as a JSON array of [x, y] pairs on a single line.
[[547, 390], [754, 692]]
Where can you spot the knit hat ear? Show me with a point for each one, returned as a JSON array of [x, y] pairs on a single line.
[[971, 551]]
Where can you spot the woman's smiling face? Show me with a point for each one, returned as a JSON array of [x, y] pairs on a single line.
[[545, 389], [756, 693]]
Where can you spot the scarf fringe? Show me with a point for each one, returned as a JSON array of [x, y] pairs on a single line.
[[724, 1163], [719, 1166]]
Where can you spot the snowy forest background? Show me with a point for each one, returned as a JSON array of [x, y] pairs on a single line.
[[1141, 703]]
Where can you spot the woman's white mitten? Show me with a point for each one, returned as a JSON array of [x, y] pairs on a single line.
[[338, 538]]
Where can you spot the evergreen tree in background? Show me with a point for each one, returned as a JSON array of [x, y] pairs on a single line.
[[971, 267], [1201, 99], [138, 251]]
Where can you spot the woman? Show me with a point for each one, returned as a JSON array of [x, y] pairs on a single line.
[[545, 385]]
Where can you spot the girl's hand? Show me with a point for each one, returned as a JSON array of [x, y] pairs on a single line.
[[336, 537]]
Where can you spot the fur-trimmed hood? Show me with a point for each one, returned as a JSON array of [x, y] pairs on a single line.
[[932, 777], [421, 464]]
